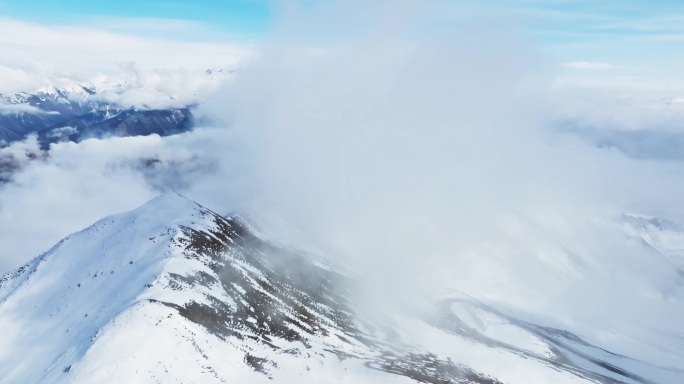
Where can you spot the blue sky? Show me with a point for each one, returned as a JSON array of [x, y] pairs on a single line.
[[630, 38], [634, 40], [560, 20], [242, 17], [552, 21]]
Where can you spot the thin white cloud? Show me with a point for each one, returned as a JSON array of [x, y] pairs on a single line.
[[7, 108], [589, 65], [160, 28], [663, 37]]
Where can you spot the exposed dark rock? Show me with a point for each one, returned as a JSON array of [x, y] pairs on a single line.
[[278, 293]]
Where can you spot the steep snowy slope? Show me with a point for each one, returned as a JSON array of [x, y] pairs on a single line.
[[174, 293]]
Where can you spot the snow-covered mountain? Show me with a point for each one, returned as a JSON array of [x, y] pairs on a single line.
[[132, 103], [173, 292], [80, 112]]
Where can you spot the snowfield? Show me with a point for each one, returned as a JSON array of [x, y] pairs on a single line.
[[174, 293]]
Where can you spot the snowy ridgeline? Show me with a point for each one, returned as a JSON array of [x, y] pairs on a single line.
[[102, 107], [172, 292]]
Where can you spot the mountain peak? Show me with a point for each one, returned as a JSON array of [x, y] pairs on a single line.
[[83, 282], [173, 292], [170, 205]]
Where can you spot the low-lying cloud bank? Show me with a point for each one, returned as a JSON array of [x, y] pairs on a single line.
[[425, 156]]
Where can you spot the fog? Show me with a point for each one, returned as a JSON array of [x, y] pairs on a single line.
[[429, 157], [420, 153]]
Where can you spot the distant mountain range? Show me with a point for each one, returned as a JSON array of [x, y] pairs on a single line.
[[78, 113]]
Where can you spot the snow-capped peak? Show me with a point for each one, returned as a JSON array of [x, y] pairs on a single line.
[[83, 283], [173, 292]]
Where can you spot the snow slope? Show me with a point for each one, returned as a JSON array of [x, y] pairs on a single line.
[[174, 293]]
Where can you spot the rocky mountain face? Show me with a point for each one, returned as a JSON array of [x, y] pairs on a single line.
[[173, 292], [78, 113]]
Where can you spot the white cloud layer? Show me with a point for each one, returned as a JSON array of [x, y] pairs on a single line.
[[589, 65], [80, 183], [426, 158], [35, 55], [7, 108]]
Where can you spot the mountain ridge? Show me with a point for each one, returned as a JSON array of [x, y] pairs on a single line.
[[173, 292], [65, 116]]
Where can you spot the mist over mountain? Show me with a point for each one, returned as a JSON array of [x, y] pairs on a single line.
[[173, 291], [405, 191]]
